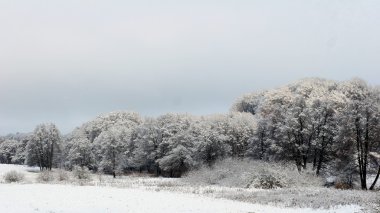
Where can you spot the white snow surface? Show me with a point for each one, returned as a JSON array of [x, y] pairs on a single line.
[[30, 196], [66, 198]]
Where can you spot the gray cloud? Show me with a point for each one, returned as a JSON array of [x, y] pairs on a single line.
[[71, 60]]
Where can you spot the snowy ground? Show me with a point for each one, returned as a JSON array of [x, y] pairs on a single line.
[[61, 198], [129, 194]]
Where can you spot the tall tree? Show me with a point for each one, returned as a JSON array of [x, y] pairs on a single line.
[[81, 153], [113, 148], [8, 149], [43, 146], [146, 142], [360, 124]]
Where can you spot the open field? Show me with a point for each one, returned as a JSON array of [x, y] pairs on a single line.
[[65, 198], [146, 194]]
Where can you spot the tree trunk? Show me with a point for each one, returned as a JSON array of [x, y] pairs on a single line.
[[320, 161], [321, 155], [360, 155], [299, 164], [315, 159], [51, 156], [262, 145], [304, 158], [375, 181]]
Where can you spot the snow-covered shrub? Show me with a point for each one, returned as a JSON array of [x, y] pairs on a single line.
[[268, 181], [62, 175], [45, 176], [342, 185], [13, 176], [81, 173], [253, 174]]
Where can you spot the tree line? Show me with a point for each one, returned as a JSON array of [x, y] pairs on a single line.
[[333, 127]]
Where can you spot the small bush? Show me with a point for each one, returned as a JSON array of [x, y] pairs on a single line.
[[81, 173], [342, 185], [268, 181], [13, 176], [62, 175], [45, 176]]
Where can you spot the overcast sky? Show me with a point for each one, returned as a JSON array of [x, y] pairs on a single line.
[[68, 61]]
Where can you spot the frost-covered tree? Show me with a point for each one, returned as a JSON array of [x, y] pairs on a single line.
[[12, 148], [104, 122], [20, 155], [250, 103], [360, 124], [259, 143], [309, 121], [323, 115], [81, 153], [85, 149], [299, 131], [113, 148], [240, 128], [43, 146], [210, 139], [172, 127], [179, 158], [375, 156], [146, 141], [8, 149]]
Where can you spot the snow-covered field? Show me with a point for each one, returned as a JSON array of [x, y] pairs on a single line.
[[65, 198], [138, 194]]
